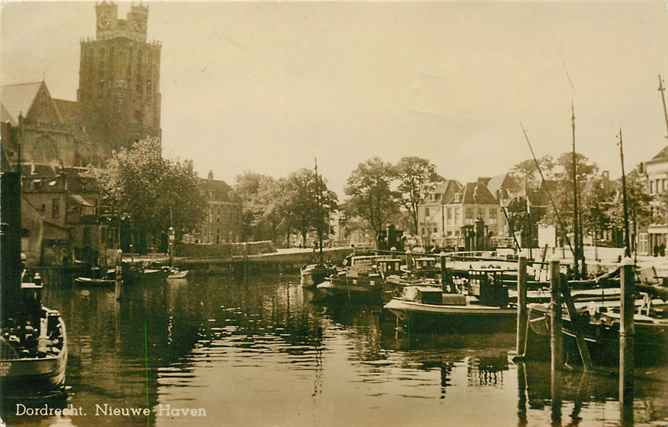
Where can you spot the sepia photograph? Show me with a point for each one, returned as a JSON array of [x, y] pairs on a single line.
[[334, 213]]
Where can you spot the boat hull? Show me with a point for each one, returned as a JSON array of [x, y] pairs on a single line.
[[86, 281], [313, 275], [458, 318], [650, 341], [341, 289], [29, 375]]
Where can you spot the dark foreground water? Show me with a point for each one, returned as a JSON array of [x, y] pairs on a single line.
[[261, 353]]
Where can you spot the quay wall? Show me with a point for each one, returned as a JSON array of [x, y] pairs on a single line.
[[224, 250]]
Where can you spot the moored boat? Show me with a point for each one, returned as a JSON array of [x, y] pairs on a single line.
[[482, 304], [89, 281], [312, 275], [361, 279], [175, 273], [599, 324], [33, 347]]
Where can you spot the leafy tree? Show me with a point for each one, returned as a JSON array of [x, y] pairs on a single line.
[[563, 191], [261, 202], [308, 203], [370, 194], [526, 169], [597, 200], [638, 202], [156, 193], [416, 177]]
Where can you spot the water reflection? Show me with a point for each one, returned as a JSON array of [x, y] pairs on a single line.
[[261, 352]]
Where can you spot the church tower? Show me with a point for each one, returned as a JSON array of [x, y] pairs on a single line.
[[119, 78]]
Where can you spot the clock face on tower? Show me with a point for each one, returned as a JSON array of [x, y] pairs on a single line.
[[104, 21]]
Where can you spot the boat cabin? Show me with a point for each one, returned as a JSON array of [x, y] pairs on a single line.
[[363, 265], [389, 266], [487, 286]]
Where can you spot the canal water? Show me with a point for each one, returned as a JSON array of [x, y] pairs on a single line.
[[261, 353]]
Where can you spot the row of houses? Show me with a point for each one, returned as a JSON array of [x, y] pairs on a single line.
[[453, 212], [63, 221]]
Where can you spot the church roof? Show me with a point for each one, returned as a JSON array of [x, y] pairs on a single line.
[[17, 99], [70, 111]]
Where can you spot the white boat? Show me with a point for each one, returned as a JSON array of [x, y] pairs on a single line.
[[433, 302], [175, 273]]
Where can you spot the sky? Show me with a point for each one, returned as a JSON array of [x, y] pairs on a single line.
[[268, 87]]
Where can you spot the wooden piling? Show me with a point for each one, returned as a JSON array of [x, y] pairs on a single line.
[[626, 338], [555, 339], [522, 313], [583, 349], [444, 273]]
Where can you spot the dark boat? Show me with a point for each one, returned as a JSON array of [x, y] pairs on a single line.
[[481, 303], [97, 278], [362, 279], [312, 275], [599, 323], [133, 274]]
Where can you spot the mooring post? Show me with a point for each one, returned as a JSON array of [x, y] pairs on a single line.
[[444, 273], [555, 339], [626, 337], [522, 313], [118, 275], [245, 266]]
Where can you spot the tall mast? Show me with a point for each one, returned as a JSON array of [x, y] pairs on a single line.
[[662, 91], [319, 203], [576, 225], [627, 251]]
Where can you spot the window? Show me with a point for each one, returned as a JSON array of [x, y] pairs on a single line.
[[55, 208], [492, 213], [426, 212], [469, 213], [651, 187], [149, 89]]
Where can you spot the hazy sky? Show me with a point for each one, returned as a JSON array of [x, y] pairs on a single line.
[[270, 86]]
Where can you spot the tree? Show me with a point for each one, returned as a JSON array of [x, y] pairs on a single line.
[[308, 203], [261, 200], [526, 170], [370, 194], [597, 201], [416, 177], [156, 193]]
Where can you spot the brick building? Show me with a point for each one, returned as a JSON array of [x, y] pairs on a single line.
[[222, 222]]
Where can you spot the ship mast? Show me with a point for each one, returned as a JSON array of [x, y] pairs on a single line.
[[318, 195], [662, 91], [627, 243], [576, 222]]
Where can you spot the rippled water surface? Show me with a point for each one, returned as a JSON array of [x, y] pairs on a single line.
[[261, 353]]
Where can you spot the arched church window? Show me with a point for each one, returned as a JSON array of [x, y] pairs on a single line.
[[149, 88]]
